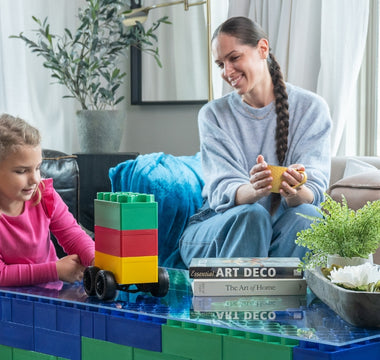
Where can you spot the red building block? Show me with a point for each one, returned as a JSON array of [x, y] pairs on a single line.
[[126, 243]]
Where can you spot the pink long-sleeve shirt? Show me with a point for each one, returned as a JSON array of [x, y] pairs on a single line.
[[27, 255]]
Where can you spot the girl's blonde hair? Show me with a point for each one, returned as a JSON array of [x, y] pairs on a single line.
[[14, 133]]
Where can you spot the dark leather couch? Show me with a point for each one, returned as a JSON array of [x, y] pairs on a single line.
[[64, 171]]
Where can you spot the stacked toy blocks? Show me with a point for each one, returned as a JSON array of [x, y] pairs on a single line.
[[201, 342], [58, 328], [369, 349], [42, 328], [126, 236]]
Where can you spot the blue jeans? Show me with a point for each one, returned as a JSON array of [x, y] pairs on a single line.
[[245, 231]]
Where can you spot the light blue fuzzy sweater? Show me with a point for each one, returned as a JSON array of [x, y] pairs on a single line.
[[233, 134]]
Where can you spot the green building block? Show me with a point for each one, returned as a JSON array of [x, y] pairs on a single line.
[[126, 211], [20, 354], [139, 354], [6, 352], [241, 345], [93, 349], [194, 341]]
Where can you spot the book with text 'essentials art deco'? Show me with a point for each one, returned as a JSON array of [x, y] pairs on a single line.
[[248, 287], [246, 268]]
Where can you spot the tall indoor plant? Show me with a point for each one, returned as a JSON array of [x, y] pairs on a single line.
[[87, 63]]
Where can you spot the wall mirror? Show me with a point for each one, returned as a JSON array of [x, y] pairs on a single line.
[[183, 78]]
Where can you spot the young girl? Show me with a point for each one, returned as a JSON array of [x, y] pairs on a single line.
[[30, 209]]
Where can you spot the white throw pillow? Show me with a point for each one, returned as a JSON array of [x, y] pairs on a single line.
[[355, 167]]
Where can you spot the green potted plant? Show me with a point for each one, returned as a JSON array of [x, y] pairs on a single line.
[[87, 63], [340, 232]]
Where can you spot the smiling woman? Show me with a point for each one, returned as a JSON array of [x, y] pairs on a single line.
[[264, 121]]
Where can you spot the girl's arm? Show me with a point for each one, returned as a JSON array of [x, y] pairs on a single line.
[[27, 274], [69, 234], [67, 269]]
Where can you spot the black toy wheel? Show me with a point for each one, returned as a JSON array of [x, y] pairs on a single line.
[[106, 285], [161, 288], [163, 283], [89, 276]]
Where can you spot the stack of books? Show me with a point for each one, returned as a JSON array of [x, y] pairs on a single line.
[[247, 276]]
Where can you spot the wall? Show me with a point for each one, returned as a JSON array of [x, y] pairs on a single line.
[[172, 129]]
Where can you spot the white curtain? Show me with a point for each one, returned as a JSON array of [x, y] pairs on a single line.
[[344, 33], [293, 28], [26, 88], [319, 45], [219, 13]]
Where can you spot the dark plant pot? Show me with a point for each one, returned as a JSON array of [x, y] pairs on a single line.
[[100, 131]]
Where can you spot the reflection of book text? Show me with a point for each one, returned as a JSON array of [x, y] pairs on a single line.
[[247, 303], [249, 315]]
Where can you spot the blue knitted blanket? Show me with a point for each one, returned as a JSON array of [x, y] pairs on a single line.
[[176, 182]]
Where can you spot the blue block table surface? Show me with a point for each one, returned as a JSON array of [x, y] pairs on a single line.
[[69, 314]]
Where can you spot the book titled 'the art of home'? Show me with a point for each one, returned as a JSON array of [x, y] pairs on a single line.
[[248, 287], [246, 268]]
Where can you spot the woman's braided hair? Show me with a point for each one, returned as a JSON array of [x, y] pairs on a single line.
[[249, 32]]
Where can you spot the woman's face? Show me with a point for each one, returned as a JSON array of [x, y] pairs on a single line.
[[243, 67]]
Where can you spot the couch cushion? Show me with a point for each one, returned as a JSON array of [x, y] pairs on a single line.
[[176, 183], [357, 189], [338, 165], [355, 166]]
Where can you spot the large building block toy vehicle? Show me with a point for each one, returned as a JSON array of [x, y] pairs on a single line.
[[126, 247]]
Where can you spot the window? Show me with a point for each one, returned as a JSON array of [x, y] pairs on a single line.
[[368, 126], [375, 13]]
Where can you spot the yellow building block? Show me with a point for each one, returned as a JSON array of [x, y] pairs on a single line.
[[129, 270]]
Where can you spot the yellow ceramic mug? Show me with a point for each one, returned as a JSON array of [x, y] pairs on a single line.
[[277, 172]]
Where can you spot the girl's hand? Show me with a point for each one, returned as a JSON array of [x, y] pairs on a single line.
[[70, 269]]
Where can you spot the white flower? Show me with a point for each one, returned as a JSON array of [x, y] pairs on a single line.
[[355, 276]]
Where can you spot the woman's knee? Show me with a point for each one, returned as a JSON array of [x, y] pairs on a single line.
[[251, 215], [245, 230], [225, 233], [297, 215], [286, 228], [307, 209]]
